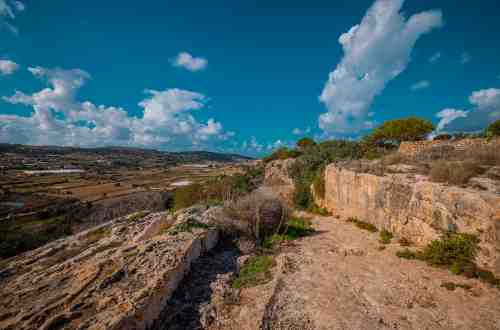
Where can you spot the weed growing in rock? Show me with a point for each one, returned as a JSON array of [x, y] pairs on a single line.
[[315, 209], [452, 286], [363, 225], [188, 227], [294, 229], [138, 215], [385, 236], [255, 271], [406, 254]]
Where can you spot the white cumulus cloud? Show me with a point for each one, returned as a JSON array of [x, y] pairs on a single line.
[[298, 131], [189, 62], [60, 118], [423, 84], [8, 67], [486, 110], [375, 51]]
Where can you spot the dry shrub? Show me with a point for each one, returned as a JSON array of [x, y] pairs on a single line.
[[485, 155], [394, 158], [454, 172], [256, 215]]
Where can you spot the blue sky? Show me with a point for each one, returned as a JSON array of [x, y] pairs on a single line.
[[241, 76]]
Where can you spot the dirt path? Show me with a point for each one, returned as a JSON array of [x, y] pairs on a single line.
[[339, 279]]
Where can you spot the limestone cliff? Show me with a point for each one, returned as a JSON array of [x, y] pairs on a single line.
[[413, 207]]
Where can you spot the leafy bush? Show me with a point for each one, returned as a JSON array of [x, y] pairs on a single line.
[[319, 185], [407, 129], [493, 129], [455, 251], [255, 271], [363, 225], [385, 236], [282, 153], [295, 228], [312, 162], [305, 143], [302, 197], [451, 249]]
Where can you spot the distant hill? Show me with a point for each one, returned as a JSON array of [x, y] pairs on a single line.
[[123, 153]]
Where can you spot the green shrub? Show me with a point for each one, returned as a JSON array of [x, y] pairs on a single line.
[[281, 154], [457, 252], [407, 129], [315, 209], [313, 160], [302, 197], [187, 196], [493, 129], [452, 286], [406, 254], [255, 271], [452, 248], [319, 184], [187, 226], [363, 225], [305, 143], [385, 236]]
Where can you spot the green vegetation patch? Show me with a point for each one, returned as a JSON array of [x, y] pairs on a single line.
[[385, 236], [452, 286], [97, 234], [138, 215], [455, 251], [315, 209], [294, 229], [187, 227], [363, 225], [256, 271]]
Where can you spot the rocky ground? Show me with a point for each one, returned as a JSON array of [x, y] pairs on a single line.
[[339, 278]]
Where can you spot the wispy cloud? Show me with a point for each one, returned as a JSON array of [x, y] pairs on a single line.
[[423, 84], [8, 67], [434, 58], [8, 12], [465, 58], [486, 109], [189, 62], [298, 131], [375, 51]]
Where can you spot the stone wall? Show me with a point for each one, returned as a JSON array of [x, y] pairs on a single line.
[[414, 148], [415, 208]]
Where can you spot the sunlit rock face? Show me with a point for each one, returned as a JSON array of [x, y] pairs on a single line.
[[413, 207], [119, 275]]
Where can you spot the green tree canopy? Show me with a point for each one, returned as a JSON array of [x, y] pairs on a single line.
[[407, 129], [493, 129], [305, 142]]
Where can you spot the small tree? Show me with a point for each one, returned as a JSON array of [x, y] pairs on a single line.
[[493, 129], [396, 131], [305, 143]]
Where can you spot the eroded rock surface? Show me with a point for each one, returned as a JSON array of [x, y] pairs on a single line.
[[413, 207], [116, 276]]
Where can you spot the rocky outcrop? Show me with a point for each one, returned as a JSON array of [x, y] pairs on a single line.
[[119, 275], [413, 207], [277, 177]]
